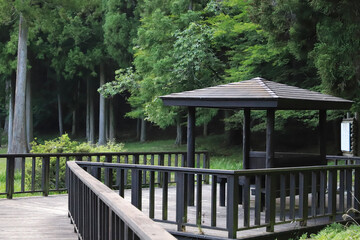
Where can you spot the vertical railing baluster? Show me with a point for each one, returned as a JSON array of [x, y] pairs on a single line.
[[118, 174], [283, 182], [246, 201], [57, 172], [303, 197], [198, 199], [33, 173], [169, 165], [270, 203], [152, 192], [136, 191], [292, 196], [258, 198], [181, 203], [126, 160], [45, 175], [342, 191], [10, 177], [348, 186], [165, 196], [144, 172], [323, 176], [213, 200], [232, 205], [160, 174], [108, 172], [206, 164], [121, 181], [332, 186], [357, 190], [314, 193], [23, 174]]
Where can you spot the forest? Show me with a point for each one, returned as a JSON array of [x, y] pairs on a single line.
[[95, 68]]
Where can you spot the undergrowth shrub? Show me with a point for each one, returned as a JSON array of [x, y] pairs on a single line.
[[62, 144], [336, 231]]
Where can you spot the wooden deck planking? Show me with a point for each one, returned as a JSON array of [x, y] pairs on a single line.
[[35, 218], [46, 217]]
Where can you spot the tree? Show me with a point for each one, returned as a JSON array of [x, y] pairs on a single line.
[[27, 12]]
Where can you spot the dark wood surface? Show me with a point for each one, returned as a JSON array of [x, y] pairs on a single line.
[[256, 93]]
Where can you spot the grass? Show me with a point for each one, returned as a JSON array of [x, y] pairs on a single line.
[[336, 231]]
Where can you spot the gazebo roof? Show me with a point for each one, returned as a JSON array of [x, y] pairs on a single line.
[[257, 93]]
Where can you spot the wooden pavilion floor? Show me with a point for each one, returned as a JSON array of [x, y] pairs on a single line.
[[46, 217], [36, 218]]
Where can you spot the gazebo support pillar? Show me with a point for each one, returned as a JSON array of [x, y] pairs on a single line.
[[270, 123], [322, 135], [246, 139], [191, 153], [270, 181]]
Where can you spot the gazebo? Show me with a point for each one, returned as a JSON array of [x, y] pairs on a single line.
[[258, 94]]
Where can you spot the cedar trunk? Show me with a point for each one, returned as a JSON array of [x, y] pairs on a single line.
[[18, 143], [102, 110]]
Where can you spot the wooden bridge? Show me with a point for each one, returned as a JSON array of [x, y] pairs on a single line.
[[158, 186]]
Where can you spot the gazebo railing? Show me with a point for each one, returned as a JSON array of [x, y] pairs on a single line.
[[288, 195], [97, 212], [44, 173]]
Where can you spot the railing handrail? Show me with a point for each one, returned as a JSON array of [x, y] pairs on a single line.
[[339, 157], [142, 225], [245, 172], [13, 155]]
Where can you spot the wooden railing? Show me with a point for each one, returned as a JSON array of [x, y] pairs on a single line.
[[97, 212], [304, 193], [46, 172]]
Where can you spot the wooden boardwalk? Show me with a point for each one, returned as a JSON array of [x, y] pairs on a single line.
[[46, 217], [36, 218]]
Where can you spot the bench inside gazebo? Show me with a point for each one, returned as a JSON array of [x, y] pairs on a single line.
[[258, 94]]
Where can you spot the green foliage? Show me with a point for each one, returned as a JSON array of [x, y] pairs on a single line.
[[336, 231], [63, 144]]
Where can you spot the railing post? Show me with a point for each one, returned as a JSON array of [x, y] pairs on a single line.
[[207, 166], [45, 175], [270, 203], [232, 205], [357, 189], [332, 194], [136, 188], [181, 203], [108, 172], [161, 174], [303, 198], [10, 173]]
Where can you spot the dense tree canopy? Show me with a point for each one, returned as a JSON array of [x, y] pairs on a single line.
[[145, 49]]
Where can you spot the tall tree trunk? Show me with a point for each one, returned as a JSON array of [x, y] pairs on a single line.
[[73, 124], [112, 127], [11, 113], [74, 112], [7, 103], [60, 115], [143, 130], [102, 110], [179, 133], [205, 129], [226, 128], [138, 128], [29, 112], [107, 120], [91, 117], [88, 110], [18, 143]]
